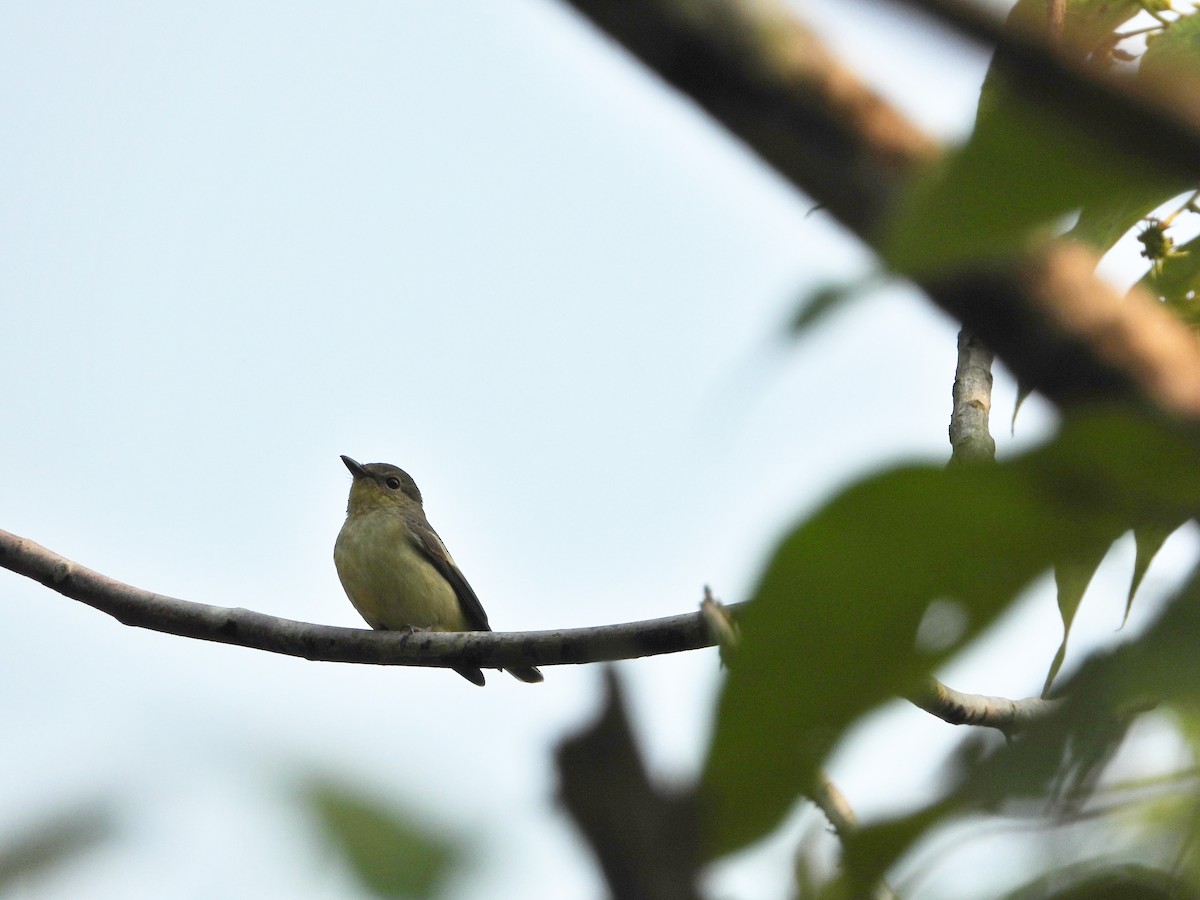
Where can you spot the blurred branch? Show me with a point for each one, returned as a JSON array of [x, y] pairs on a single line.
[[970, 440], [765, 77], [1056, 19], [958, 708], [833, 803], [245, 628], [645, 839], [1162, 124]]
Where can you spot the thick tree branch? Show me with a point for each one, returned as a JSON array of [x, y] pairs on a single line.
[[767, 79], [765, 76], [144, 609]]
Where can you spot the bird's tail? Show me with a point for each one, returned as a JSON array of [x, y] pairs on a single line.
[[473, 675]]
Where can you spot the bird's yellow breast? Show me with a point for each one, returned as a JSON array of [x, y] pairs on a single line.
[[387, 577]]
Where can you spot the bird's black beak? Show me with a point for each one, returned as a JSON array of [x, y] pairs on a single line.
[[356, 468]]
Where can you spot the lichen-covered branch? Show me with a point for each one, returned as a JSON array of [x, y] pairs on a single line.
[[970, 440], [958, 708]]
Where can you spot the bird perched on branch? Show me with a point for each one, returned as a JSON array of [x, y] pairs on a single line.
[[395, 568]]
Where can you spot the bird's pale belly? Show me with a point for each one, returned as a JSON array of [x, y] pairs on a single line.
[[389, 581]]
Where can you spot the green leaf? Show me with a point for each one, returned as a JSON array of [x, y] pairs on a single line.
[[872, 850], [830, 630], [1029, 161], [1055, 763], [1172, 58], [829, 298], [829, 633], [394, 855], [1176, 281], [1087, 24], [1071, 577], [1060, 756], [1104, 220], [1149, 540], [1023, 392], [1063, 754]]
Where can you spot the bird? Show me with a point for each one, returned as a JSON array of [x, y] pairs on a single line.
[[395, 569]]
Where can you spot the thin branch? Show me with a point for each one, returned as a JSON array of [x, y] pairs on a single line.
[[766, 78], [245, 628], [833, 803], [970, 440], [487, 649], [957, 708]]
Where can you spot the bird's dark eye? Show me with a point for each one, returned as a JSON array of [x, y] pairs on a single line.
[[393, 483]]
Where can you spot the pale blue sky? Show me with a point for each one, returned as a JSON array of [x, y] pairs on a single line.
[[468, 238]]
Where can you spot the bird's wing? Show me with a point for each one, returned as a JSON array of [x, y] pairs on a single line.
[[435, 551]]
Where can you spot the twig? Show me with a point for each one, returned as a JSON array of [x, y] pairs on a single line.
[[957, 708], [245, 628], [831, 801]]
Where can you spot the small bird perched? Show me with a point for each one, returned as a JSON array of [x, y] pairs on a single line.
[[396, 570]]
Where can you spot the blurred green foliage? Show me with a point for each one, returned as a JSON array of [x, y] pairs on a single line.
[[829, 635], [54, 842], [392, 853], [1032, 159]]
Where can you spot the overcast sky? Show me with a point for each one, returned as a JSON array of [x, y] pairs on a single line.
[[471, 239]]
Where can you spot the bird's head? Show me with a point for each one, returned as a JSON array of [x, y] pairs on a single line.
[[380, 485]]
